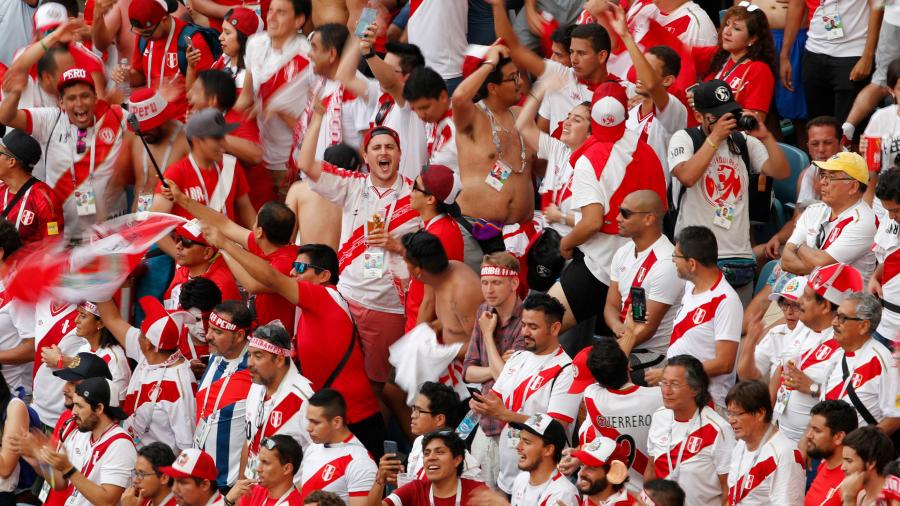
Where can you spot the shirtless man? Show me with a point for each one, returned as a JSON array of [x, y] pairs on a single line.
[[494, 162]]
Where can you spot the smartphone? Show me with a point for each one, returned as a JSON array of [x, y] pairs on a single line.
[[390, 447], [204, 359], [638, 304], [188, 42], [366, 18]]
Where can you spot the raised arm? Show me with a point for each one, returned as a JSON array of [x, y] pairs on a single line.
[[10, 115], [389, 80], [105, 23], [645, 73], [346, 71], [210, 8], [232, 230], [463, 108], [523, 57], [112, 320], [306, 159]]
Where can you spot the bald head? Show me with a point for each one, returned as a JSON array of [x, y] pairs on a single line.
[[647, 201]]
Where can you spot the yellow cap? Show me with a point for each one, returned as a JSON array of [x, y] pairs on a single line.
[[848, 162]]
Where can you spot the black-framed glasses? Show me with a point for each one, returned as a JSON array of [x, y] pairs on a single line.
[[842, 318], [142, 475], [516, 78], [674, 256], [419, 189], [787, 305], [300, 267], [418, 410], [628, 213], [823, 177]]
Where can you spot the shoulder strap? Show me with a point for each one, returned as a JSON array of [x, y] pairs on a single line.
[[854, 399], [697, 137], [19, 194], [741, 142], [340, 367]]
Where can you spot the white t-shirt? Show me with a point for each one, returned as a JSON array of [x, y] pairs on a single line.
[[772, 351], [416, 461], [703, 319], [658, 127], [892, 13], [557, 105], [885, 124], [16, 325], [345, 469], [654, 271], [622, 415], [854, 16], [773, 474], [887, 252], [439, 28], [873, 372], [556, 186], [403, 120], [54, 325], [440, 142], [531, 384], [694, 453], [109, 460], [114, 356], [847, 238], [556, 490], [723, 185]]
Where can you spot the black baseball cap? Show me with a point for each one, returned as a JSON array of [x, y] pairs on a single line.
[[102, 390], [545, 262], [714, 97], [83, 366], [545, 427], [22, 147]]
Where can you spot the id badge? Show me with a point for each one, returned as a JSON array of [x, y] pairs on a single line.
[[724, 215], [252, 464], [781, 399], [86, 202], [498, 175], [834, 26], [45, 492], [512, 438], [145, 200], [373, 263], [200, 435]]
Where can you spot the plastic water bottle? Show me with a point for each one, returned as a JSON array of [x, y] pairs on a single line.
[[124, 86], [468, 424]]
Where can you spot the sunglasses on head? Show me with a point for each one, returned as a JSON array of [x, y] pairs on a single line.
[[81, 141], [300, 267]]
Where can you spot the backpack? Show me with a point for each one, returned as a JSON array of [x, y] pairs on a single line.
[[209, 35], [759, 192]]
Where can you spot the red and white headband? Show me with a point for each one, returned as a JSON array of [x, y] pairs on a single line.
[[261, 344], [90, 307], [220, 322], [493, 270]]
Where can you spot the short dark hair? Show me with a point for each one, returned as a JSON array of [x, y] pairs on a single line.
[[893, 73], [322, 256], [563, 35], [47, 63], [303, 7], [699, 243], [822, 121], [695, 376], [839, 416], [423, 82], [669, 58], [288, 450], [10, 241], [595, 34], [410, 55], [219, 84], [751, 396], [332, 403], [494, 77], [872, 445], [157, 454], [323, 498], [238, 311], [888, 187], [277, 221], [456, 445], [442, 400], [665, 492], [333, 36], [424, 250], [608, 363], [553, 309], [201, 293], [343, 156], [275, 334], [822, 300]]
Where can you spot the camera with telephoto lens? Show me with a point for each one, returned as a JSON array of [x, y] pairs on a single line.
[[745, 122]]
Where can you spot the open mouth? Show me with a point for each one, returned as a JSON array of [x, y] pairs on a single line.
[[384, 163], [80, 115]]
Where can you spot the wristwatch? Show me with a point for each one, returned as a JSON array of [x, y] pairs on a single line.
[[815, 389]]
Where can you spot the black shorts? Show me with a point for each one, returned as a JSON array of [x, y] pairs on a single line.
[[585, 293]]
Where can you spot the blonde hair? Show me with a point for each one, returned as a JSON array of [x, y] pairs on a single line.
[[501, 259]]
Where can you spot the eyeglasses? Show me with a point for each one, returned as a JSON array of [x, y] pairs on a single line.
[[300, 267], [786, 305], [419, 189], [143, 32], [513, 78], [7, 154], [824, 177], [628, 213], [81, 141], [674, 256], [669, 384], [420, 411], [142, 475], [842, 318], [734, 414]]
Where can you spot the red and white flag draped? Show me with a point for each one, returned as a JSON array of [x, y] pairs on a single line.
[[92, 271]]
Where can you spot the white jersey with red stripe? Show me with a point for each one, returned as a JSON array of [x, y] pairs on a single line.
[[873, 373], [440, 142], [693, 453], [282, 79], [114, 356], [54, 325], [109, 460], [529, 384], [344, 468], [703, 319], [160, 399], [346, 115], [773, 474], [557, 105], [658, 126], [556, 186], [654, 271], [382, 110], [360, 200], [625, 416], [282, 413], [439, 28], [689, 22], [887, 252], [16, 325], [556, 491], [847, 238]]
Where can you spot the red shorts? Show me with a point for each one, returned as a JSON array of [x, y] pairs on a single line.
[[377, 331]]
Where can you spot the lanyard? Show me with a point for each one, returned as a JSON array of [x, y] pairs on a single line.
[[762, 444], [228, 373], [387, 218], [458, 492], [169, 361], [674, 472], [21, 205], [200, 176], [162, 67], [737, 64], [165, 156], [282, 499], [495, 137]]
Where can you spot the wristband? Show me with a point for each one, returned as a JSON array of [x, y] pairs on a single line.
[[59, 363], [227, 502], [69, 473], [711, 143], [488, 62], [44, 46]]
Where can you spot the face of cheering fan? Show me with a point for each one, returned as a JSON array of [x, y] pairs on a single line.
[[79, 102], [383, 157]]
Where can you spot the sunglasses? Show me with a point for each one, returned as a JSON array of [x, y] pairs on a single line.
[[144, 32], [300, 267], [81, 141], [628, 213], [185, 242], [268, 443]]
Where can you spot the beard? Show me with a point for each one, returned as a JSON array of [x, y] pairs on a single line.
[[819, 453], [596, 486]]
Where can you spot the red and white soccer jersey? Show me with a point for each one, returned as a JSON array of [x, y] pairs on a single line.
[[773, 474], [227, 64], [530, 384], [440, 142], [773, 350], [439, 28], [16, 325], [652, 270], [217, 272], [345, 468], [415, 463], [160, 399], [620, 498], [222, 413], [102, 143], [37, 215], [281, 82], [752, 81], [109, 460], [812, 353], [693, 453], [556, 490], [169, 500], [657, 127], [54, 325], [873, 373], [259, 496], [847, 238], [556, 186], [360, 200], [418, 492], [689, 22], [283, 413], [346, 115], [218, 187], [114, 356], [703, 319], [887, 252], [623, 416], [413, 141], [557, 105]]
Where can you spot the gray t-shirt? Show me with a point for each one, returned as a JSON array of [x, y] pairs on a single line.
[[16, 27]]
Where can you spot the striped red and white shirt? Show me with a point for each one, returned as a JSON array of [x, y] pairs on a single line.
[[345, 468], [773, 474], [54, 325]]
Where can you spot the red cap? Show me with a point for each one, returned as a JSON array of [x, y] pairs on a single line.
[[380, 130], [245, 21], [150, 108], [191, 231], [609, 110], [72, 76], [161, 328], [192, 463], [834, 282], [583, 376], [147, 13], [442, 183]]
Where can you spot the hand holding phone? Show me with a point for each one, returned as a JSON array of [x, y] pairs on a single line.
[[638, 304]]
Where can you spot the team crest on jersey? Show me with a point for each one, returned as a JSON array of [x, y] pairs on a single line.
[[328, 472], [106, 135], [699, 315], [823, 352], [171, 60], [27, 217], [748, 481], [693, 444], [536, 383], [857, 380], [642, 273], [55, 309], [276, 419]]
